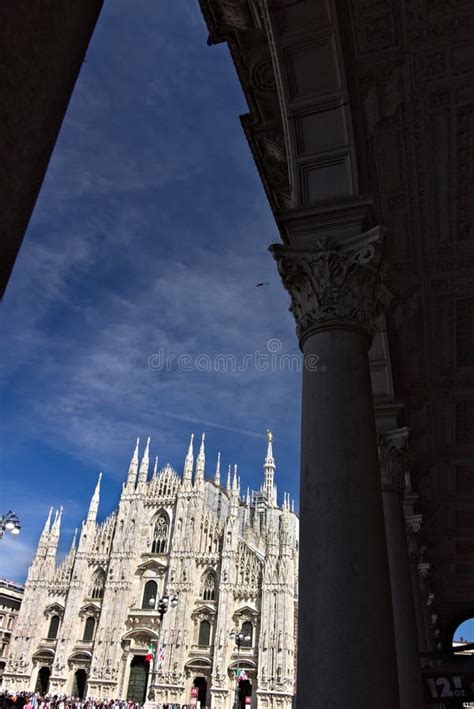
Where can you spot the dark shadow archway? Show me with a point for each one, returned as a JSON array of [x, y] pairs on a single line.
[[201, 684], [42, 682], [245, 690], [79, 684]]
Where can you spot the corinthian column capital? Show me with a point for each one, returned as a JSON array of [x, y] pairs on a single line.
[[332, 284], [393, 458]]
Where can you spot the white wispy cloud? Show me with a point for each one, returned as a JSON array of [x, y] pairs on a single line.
[[151, 231]]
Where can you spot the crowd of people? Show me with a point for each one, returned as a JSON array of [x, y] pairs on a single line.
[[27, 700]]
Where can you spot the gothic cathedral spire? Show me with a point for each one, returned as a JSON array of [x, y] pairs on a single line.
[[132, 471], [200, 463], [54, 536], [94, 503], [217, 476], [269, 472], [189, 462], [145, 464]]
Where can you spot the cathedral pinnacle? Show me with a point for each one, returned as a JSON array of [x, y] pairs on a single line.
[[155, 467], [217, 476], [44, 539], [144, 465], [269, 471], [189, 461], [201, 461], [132, 471], [74, 539], [235, 484], [47, 524], [269, 460], [94, 503], [54, 533], [228, 486]]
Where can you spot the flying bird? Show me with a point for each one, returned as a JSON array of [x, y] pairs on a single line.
[[262, 284]]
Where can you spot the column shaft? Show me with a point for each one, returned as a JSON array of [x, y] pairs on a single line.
[[346, 650], [346, 647], [406, 641], [419, 610]]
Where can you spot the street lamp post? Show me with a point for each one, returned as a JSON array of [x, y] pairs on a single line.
[[9, 523], [163, 604], [239, 637]]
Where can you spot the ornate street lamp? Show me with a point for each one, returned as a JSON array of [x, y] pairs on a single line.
[[239, 638], [9, 523], [164, 604]]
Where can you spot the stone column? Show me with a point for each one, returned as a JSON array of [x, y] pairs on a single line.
[[413, 522], [345, 633], [393, 461]]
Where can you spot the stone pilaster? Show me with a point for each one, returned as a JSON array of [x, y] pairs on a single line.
[[337, 296], [394, 459]]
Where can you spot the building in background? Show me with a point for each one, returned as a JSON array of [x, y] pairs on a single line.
[[11, 594], [87, 625]]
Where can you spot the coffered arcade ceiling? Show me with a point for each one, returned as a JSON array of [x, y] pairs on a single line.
[[363, 111]]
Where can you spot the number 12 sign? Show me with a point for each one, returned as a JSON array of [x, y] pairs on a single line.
[[445, 688]]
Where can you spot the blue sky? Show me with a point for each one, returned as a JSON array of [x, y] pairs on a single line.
[[149, 235], [465, 631]]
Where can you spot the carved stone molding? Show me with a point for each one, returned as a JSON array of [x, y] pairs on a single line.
[[335, 284], [232, 14], [393, 458], [413, 523]]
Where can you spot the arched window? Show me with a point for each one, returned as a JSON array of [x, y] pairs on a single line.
[[149, 595], [89, 628], [204, 633], [97, 586], [53, 627], [160, 535], [209, 587], [247, 631]]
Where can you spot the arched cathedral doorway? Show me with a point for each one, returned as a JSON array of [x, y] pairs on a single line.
[[138, 679], [245, 693], [42, 682], [201, 685], [79, 684]]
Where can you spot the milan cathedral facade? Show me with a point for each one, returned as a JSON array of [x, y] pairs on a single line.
[[86, 625]]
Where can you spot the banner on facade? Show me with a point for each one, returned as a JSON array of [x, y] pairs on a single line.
[[240, 675]]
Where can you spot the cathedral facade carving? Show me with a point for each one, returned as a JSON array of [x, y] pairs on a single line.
[[86, 625]]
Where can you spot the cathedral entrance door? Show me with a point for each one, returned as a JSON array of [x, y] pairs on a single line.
[[245, 690], [138, 679], [79, 684], [42, 683], [201, 685]]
